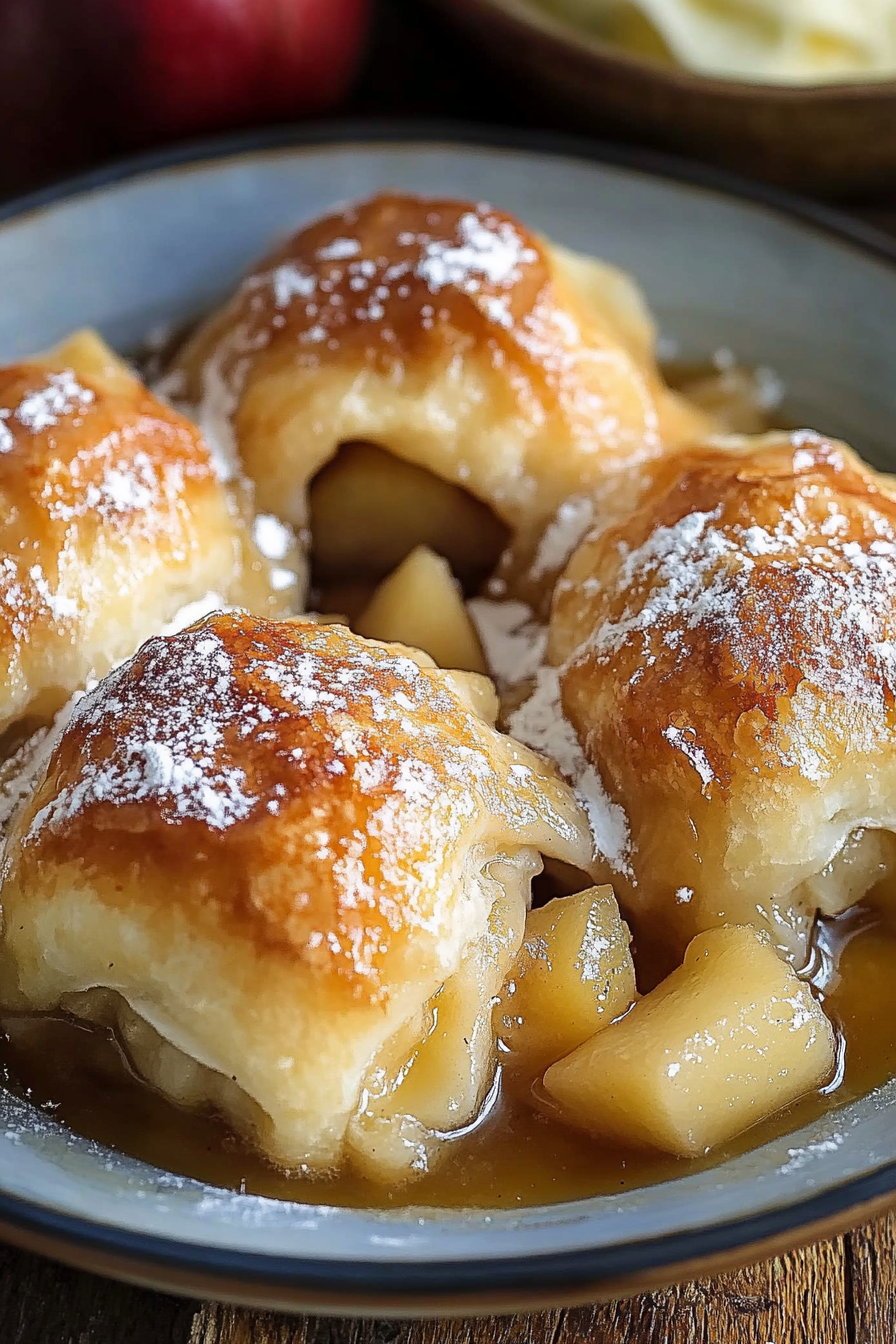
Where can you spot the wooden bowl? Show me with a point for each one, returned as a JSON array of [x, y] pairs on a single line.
[[834, 139]]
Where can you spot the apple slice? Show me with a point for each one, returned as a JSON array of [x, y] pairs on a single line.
[[420, 604]]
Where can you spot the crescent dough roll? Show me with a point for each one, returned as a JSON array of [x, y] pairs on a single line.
[[450, 335], [112, 520], [260, 849], [728, 662]]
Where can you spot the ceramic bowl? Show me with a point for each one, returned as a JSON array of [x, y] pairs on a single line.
[[779, 283], [834, 139]]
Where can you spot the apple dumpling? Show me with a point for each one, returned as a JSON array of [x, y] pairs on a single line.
[[290, 867], [727, 660], [113, 519], [453, 338]]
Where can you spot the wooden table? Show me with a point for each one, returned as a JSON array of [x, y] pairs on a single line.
[[838, 1292]]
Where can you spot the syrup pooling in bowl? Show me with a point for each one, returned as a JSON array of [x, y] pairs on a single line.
[[517, 1155]]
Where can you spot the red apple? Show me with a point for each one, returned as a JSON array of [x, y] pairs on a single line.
[[184, 67], [117, 73]]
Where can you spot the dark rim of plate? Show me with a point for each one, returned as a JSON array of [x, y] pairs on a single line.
[[559, 1275]]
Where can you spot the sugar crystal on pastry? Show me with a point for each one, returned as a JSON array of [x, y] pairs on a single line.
[[259, 851]]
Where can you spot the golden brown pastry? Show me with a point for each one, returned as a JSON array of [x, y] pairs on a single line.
[[728, 660], [262, 850], [450, 335], [112, 519]]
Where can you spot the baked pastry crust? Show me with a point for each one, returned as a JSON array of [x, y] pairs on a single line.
[[112, 520], [728, 661], [274, 843], [449, 334]]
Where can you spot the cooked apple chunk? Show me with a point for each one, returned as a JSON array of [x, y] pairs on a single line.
[[573, 975], [369, 509], [420, 604], [725, 1041]]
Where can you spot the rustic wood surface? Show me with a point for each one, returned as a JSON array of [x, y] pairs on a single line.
[[837, 1292]]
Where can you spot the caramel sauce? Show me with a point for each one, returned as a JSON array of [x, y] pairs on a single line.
[[516, 1156]]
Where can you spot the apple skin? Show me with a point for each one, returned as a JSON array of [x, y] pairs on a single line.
[[186, 67], [82, 78]]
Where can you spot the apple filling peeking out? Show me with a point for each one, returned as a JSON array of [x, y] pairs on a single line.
[[369, 509]]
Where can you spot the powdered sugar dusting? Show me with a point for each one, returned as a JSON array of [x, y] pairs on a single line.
[[335, 291], [214, 415], [339, 250], [699, 573], [289, 282], [801, 1157], [130, 483], [167, 725], [514, 646], [97, 498], [22, 771], [513, 642], [487, 250], [397, 278], [541, 724], [393, 785], [62, 396], [170, 753], [281, 578], [27, 595], [562, 536], [61, 607], [685, 741], [15, 601], [272, 537]]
